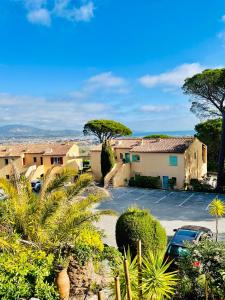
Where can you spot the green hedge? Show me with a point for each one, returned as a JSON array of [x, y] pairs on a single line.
[[145, 182], [137, 224], [199, 186]]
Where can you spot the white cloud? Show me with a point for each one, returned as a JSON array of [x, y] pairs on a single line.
[[39, 16], [42, 11], [174, 77], [155, 108], [66, 9], [84, 13], [106, 80], [44, 113], [102, 85]]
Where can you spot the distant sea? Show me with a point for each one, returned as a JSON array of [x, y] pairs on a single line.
[[172, 133]]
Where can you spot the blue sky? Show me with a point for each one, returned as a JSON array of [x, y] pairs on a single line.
[[63, 62]]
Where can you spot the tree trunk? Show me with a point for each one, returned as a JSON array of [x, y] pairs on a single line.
[[220, 177], [63, 284]]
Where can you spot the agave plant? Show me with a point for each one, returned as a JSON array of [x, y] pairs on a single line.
[[54, 218], [217, 209], [157, 282]]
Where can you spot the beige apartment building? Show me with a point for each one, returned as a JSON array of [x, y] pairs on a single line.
[[180, 158], [34, 160]]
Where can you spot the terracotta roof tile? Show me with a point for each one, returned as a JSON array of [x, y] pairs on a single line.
[[169, 145], [126, 143], [45, 149], [12, 150]]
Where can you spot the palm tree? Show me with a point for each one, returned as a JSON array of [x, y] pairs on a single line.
[[217, 209], [54, 217], [53, 220]]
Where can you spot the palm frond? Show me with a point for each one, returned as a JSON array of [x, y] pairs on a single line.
[[9, 189], [50, 205], [108, 212], [81, 183], [59, 179], [217, 208]]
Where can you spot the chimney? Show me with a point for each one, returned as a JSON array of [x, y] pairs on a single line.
[[140, 142]]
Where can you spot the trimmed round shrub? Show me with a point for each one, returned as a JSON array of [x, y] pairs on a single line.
[[137, 224]]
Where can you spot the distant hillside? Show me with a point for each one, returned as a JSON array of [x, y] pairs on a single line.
[[170, 133], [28, 131]]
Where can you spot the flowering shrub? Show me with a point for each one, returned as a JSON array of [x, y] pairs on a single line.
[[203, 270]]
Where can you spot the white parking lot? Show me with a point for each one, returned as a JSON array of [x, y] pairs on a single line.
[[172, 208]]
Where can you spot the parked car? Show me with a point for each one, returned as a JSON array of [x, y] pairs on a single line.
[[36, 185], [188, 233]]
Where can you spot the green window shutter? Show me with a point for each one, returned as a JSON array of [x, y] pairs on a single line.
[[173, 161], [133, 157]]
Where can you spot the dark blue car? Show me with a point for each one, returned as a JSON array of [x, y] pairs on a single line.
[[188, 233], [36, 185]]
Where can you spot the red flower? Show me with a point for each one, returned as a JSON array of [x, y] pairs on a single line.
[[197, 264]]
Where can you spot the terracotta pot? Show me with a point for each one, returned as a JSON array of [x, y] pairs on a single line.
[[63, 284]]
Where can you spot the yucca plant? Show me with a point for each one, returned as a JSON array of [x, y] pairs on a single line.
[[217, 209], [157, 282]]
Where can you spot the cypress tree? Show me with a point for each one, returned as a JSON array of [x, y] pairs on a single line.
[[107, 158]]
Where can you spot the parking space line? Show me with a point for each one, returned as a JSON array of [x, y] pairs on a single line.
[[138, 198], [207, 207], [128, 191], [163, 197], [181, 204], [143, 194]]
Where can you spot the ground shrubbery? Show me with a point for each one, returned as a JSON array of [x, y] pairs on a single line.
[[200, 186], [137, 224], [145, 182], [202, 271], [26, 273]]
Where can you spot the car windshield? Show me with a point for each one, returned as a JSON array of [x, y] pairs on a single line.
[[177, 250], [189, 233]]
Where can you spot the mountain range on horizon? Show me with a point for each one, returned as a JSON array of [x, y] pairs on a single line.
[[17, 130]]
